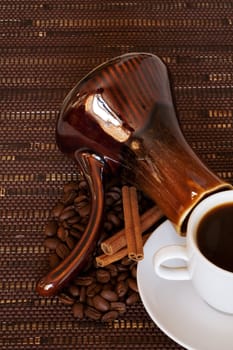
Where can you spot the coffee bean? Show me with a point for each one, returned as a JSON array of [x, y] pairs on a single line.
[[99, 293], [84, 211], [83, 185], [65, 225], [51, 243], [107, 286], [62, 250], [109, 316], [112, 269], [79, 227], [126, 261], [100, 303], [109, 295], [132, 284], [119, 202], [118, 306], [82, 294], [116, 189], [62, 233], [72, 186], [67, 214], [84, 280], [80, 201], [68, 208], [121, 288], [74, 290], [98, 288], [108, 226], [78, 310], [75, 233], [57, 210], [114, 193], [122, 268], [66, 299], [103, 276], [122, 276], [74, 219], [92, 290], [54, 260], [84, 221], [114, 219], [132, 299], [69, 197], [92, 313], [51, 228], [109, 200], [134, 271], [71, 243], [118, 210], [89, 301]]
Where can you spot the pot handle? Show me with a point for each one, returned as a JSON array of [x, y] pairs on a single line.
[[92, 167]]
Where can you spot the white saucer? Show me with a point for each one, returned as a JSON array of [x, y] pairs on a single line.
[[174, 305]]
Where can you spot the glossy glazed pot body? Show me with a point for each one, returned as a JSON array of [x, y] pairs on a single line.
[[123, 111]]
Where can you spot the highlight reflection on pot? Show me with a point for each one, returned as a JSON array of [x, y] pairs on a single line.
[[120, 118]]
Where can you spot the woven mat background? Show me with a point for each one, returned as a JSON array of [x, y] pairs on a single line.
[[45, 48]]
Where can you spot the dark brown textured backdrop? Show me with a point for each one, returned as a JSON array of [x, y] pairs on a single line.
[[45, 48]]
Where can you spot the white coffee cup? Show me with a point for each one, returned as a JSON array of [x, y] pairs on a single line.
[[213, 283]]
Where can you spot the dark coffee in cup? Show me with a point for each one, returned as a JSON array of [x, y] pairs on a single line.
[[215, 236]]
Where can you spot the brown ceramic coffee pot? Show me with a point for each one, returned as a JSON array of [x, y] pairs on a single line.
[[121, 119]]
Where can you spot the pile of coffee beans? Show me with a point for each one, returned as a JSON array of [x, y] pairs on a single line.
[[97, 293]]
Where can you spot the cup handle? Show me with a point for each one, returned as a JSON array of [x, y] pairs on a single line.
[[92, 167], [169, 253]]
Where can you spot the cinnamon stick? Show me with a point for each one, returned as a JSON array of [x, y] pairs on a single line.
[[118, 241], [137, 231], [128, 208], [105, 260]]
